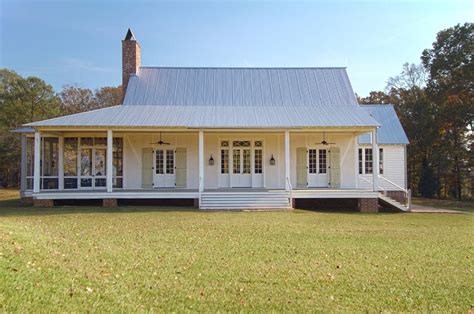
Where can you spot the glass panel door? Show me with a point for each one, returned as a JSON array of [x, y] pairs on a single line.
[[164, 174]]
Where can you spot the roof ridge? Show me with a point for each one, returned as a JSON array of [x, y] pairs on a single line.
[[230, 67]]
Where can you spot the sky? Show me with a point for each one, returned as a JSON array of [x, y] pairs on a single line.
[[79, 42]]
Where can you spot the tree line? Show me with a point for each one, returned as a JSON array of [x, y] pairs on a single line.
[[435, 103], [434, 100]]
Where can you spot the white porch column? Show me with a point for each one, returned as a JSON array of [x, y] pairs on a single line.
[[61, 162], [375, 160], [201, 164], [109, 168], [287, 160], [37, 163], [23, 164], [201, 161]]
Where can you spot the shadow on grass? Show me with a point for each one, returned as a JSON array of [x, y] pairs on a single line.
[[14, 207]]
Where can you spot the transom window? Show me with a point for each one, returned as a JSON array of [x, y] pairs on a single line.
[[241, 143]]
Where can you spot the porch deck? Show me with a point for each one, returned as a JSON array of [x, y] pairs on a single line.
[[175, 193]]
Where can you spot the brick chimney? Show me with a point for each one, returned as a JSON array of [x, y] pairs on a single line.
[[130, 59]]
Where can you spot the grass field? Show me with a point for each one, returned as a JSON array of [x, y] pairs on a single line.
[[139, 259], [465, 206]]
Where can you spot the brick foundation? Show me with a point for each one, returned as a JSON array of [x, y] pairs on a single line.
[[196, 203], [368, 205], [109, 202], [399, 196], [43, 203], [26, 200]]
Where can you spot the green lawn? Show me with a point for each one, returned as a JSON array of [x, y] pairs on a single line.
[[140, 259], [465, 206]]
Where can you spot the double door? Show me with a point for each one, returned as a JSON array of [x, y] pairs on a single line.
[[92, 167], [164, 168], [241, 167], [317, 167]]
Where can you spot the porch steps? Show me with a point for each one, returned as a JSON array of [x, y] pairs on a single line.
[[245, 200], [388, 201]]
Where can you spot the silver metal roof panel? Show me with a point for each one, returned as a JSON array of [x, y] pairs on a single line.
[[391, 130]]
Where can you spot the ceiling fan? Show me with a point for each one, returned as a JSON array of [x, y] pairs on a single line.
[[160, 142], [324, 142]]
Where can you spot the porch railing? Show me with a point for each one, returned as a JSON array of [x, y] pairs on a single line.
[[398, 187]]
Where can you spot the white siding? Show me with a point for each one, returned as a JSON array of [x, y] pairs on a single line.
[[394, 167], [274, 176]]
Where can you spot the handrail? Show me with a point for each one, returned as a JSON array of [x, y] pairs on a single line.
[[290, 188], [393, 183], [384, 191]]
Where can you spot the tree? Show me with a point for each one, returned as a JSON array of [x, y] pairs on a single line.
[[108, 96], [375, 97], [22, 100], [427, 185], [450, 65]]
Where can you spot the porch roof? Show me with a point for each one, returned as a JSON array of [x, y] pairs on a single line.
[[216, 117]]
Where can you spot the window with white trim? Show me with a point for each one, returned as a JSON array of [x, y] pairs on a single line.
[[366, 161]]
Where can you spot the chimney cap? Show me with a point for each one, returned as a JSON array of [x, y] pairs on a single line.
[[129, 35]]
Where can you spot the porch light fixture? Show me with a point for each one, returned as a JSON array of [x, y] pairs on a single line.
[[211, 161], [272, 161]]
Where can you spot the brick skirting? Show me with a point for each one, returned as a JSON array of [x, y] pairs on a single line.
[[368, 205], [26, 200], [109, 202], [43, 203], [399, 196]]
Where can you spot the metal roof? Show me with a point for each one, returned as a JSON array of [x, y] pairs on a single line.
[[23, 130], [167, 86], [391, 130], [218, 117]]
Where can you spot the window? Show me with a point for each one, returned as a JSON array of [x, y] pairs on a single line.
[[49, 163], [117, 162], [159, 162], [70, 156], [312, 160], [368, 161], [258, 144], [322, 161], [224, 161], [225, 143], [258, 161], [169, 161], [381, 160], [236, 161], [241, 143], [30, 146], [246, 163]]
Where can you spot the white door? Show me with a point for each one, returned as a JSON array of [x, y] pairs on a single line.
[[164, 173], [317, 168], [241, 168]]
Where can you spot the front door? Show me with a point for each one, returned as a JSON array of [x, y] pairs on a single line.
[[317, 167], [93, 168], [241, 168], [164, 172]]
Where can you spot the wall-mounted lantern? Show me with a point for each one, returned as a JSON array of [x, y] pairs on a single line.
[[272, 161], [211, 161]]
